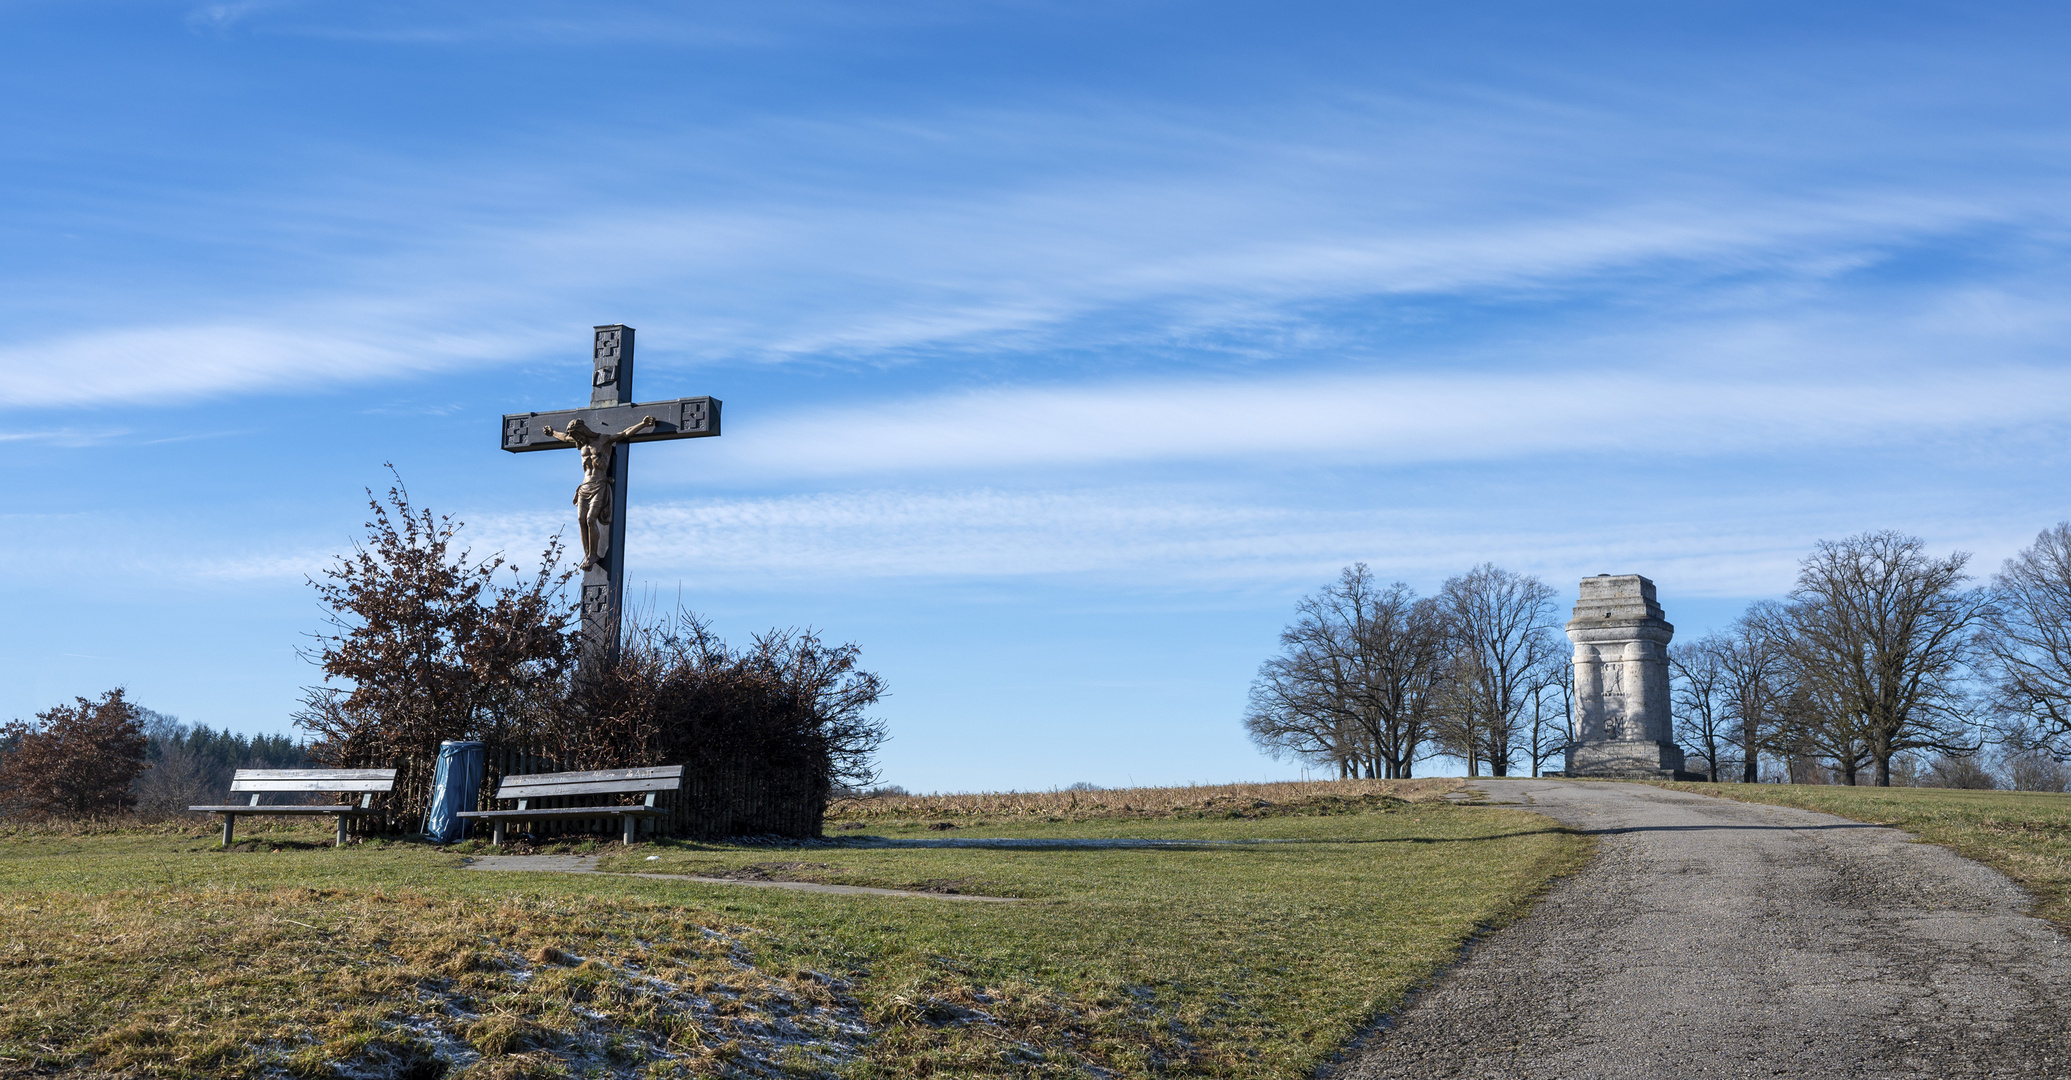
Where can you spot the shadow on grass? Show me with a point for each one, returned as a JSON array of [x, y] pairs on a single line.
[[877, 843], [1732, 828]]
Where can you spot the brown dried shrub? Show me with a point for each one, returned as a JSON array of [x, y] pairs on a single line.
[[73, 760]]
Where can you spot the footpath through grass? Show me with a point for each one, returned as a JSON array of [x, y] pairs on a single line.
[[2025, 835], [1276, 928]]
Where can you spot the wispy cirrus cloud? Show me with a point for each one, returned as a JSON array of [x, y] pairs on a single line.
[[1156, 538], [1207, 540], [221, 17], [1199, 540], [1385, 420], [1190, 236], [434, 23], [881, 283], [179, 363]]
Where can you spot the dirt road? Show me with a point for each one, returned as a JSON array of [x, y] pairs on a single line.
[[1712, 938]]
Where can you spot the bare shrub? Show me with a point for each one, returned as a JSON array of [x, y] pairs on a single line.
[[2037, 772], [790, 709], [1952, 771]]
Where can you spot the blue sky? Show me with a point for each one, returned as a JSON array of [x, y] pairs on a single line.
[[1064, 346]]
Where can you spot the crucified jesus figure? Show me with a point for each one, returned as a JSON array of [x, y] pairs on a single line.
[[593, 498]]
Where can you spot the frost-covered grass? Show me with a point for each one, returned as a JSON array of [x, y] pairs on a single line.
[[1255, 946]]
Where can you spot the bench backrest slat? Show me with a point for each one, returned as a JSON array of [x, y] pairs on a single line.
[[599, 782], [252, 780], [595, 776], [316, 774], [608, 787]]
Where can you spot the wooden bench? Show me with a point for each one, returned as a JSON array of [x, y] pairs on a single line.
[[260, 781], [526, 789]]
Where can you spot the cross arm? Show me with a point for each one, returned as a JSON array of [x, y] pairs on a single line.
[[683, 418]]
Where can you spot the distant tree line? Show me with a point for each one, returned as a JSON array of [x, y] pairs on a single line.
[[1371, 679], [191, 765], [1886, 664], [112, 756]]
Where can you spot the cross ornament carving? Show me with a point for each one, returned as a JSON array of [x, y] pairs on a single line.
[[601, 432]]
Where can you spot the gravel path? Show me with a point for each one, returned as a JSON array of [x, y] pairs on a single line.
[[1712, 938]]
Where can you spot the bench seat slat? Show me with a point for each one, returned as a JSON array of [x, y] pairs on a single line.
[[319, 774], [605, 787], [312, 785], [241, 811], [569, 812]]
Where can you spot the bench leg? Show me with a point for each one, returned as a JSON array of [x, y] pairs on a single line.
[[496, 837], [341, 830], [229, 827], [631, 824]]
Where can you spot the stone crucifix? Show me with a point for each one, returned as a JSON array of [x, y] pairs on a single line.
[[600, 432]]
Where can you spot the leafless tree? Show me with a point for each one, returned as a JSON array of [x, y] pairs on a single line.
[[194, 763], [1819, 739], [2038, 772], [1501, 624], [1459, 724], [1880, 638], [2030, 640], [1353, 685], [177, 779], [1404, 648], [1553, 710], [1757, 682], [1300, 702], [1701, 699]]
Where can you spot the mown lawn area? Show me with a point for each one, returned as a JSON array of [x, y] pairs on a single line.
[[2025, 835], [1254, 943]]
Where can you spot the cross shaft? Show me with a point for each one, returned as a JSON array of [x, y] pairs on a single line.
[[611, 420]]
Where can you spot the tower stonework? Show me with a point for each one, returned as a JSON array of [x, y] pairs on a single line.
[[1622, 723]]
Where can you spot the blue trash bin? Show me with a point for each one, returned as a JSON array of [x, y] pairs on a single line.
[[453, 789]]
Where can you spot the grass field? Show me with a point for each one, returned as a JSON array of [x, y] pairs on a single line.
[[2024, 834], [1270, 928]]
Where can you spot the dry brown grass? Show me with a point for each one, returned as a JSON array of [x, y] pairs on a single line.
[[18, 826], [238, 982], [1302, 912], [1193, 800], [167, 823]]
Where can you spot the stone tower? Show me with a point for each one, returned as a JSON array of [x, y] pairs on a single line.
[[1622, 724]]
